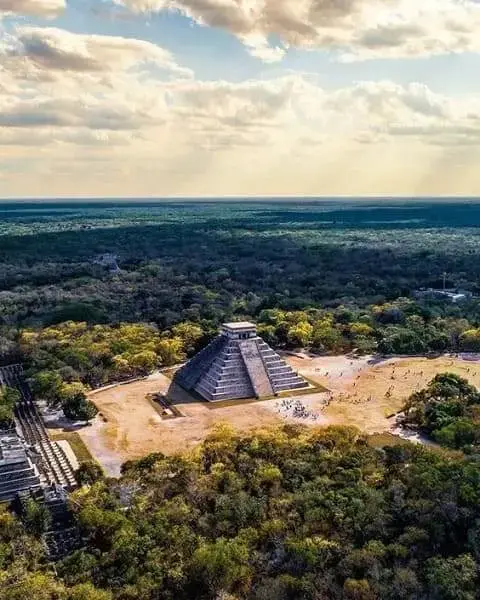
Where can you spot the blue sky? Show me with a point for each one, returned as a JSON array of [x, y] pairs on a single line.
[[239, 97]]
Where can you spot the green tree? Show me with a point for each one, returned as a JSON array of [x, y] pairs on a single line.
[[8, 399], [80, 410], [222, 565], [355, 589], [86, 591], [300, 334], [46, 385], [170, 351], [29, 586], [460, 433], [399, 340], [452, 578], [325, 337], [470, 340], [36, 517], [361, 329], [88, 473], [143, 362], [75, 404], [446, 409], [190, 333]]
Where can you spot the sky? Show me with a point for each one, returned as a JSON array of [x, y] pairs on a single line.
[[139, 98]]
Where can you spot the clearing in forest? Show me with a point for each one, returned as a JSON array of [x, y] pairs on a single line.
[[131, 426], [364, 392]]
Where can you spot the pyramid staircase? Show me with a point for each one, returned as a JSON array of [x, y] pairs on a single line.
[[250, 351], [54, 464], [237, 365]]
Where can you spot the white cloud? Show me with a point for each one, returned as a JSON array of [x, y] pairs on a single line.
[[119, 113], [94, 106], [51, 49], [36, 8], [356, 29], [86, 111]]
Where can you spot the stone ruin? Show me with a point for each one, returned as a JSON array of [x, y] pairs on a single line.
[[18, 472], [34, 466], [237, 365]]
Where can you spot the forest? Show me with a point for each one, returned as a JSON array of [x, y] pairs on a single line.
[[214, 261], [329, 276], [448, 410], [289, 513]]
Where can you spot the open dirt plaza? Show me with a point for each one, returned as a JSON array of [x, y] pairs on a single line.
[[364, 392], [369, 392]]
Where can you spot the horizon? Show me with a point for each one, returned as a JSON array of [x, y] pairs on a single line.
[[240, 199]]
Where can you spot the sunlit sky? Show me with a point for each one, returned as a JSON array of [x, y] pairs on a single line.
[[239, 97]]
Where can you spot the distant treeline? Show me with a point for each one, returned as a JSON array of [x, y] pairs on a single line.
[[193, 262]]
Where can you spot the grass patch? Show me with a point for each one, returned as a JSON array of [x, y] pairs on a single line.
[[229, 403], [380, 440], [73, 438]]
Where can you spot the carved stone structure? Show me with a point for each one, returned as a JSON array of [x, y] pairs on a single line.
[[18, 472], [33, 466], [238, 364]]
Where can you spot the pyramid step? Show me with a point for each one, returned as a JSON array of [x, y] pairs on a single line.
[[286, 379], [220, 381], [192, 372], [231, 396], [291, 386], [278, 370], [242, 387]]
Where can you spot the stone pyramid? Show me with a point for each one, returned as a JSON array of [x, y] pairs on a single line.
[[238, 364]]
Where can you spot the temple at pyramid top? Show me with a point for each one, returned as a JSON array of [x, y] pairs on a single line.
[[238, 364], [240, 331]]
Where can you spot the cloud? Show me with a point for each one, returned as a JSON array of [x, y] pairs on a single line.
[[66, 85], [354, 29], [98, 104], [69, 112], [92, 105], [36, 8], [33, 138], [51, 49]]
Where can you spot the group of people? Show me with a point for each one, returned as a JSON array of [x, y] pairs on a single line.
[[296, 410]]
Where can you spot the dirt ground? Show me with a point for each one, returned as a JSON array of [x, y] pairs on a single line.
[[367, 392], [363, 392], [130, 426]]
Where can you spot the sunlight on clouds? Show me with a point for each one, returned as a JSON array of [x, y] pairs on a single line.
[[355, 29], [105, 114], [36, 8], [51, 49], [277, 136]]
